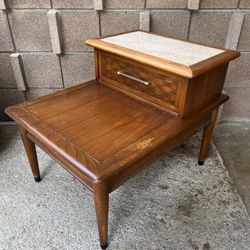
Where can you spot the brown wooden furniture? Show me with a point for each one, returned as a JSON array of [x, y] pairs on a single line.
[[139, 106]]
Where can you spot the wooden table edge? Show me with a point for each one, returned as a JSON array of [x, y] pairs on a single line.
[[103, 174]]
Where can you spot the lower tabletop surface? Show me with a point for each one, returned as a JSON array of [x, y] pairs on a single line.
[[94, 124]]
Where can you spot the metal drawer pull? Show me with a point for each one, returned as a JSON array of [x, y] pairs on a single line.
[[133, 78]]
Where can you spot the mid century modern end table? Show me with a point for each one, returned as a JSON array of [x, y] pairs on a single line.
[[150, 94]]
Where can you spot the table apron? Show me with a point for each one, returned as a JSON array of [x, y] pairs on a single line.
[[117, 180]]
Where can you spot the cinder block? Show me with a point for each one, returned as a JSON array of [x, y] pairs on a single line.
[[210, 27], [168, 4], [30, 30], [42, 70], [7, 79], [238, 105], [98, 4], [124, 4], [244, 4], [121, 21], [18, 4], [244, 43], [234, 30], [145, 20], [9, 97], [77, 68], [32, 94], [6, 43], [73, 4], [239, 72], [3, 5], [54, 32], [170, 23], [218, 4], [76, 27], [193, 4], [17, 66]]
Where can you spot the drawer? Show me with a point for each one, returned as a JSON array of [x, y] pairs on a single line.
[[140, 80]]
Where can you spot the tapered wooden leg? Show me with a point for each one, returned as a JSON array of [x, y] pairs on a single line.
[[101, 197], [30, 149], [206, 137]]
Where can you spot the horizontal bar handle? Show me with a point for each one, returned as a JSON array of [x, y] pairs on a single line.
[[133, 78]]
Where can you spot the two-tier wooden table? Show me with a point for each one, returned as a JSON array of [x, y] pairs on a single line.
[[150, 94]]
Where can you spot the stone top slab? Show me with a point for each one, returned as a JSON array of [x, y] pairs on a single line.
[[177, 51]]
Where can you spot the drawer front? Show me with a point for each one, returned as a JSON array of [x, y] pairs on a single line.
[[145, 82]]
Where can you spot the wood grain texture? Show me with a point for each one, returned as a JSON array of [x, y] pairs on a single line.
[[162, 88], [30, 149], [107, 130], [169, 66], [169, 92], [98, 131], [202, 90], [207, 135], [101, 199]]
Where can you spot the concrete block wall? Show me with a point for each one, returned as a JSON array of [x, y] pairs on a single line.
[[42, 41]]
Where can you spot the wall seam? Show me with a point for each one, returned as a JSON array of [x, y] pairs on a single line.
[[190, 23], [135, 9], [99, 24], [61, 70]]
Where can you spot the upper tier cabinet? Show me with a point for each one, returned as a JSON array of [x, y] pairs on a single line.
[[180, 77]]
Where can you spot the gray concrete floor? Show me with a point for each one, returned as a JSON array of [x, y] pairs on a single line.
[[173, 205], [233, 142]]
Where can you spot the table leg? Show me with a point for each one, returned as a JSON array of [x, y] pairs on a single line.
[[206, 137], [101, 197], [30, 149]]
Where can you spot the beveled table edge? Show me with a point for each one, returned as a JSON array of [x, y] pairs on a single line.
[[115, 165]]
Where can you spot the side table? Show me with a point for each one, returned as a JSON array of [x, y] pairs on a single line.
[[150, 94]]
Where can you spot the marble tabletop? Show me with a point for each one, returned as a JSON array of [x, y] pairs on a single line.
[[170, 49]]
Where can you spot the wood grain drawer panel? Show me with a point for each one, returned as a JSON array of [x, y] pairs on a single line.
[[162, 89]]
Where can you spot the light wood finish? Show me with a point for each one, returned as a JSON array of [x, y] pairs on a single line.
[[30, 149], [107, 130]]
